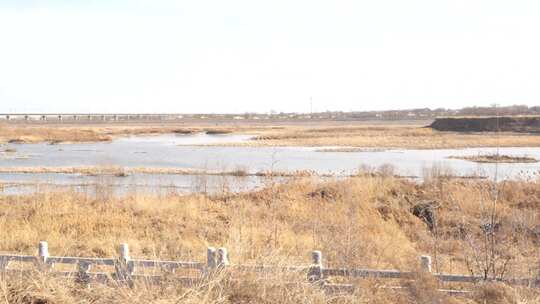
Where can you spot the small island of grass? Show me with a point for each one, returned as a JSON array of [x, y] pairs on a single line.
[[496, 158]]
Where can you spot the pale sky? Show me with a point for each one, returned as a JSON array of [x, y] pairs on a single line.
[[237, 56]]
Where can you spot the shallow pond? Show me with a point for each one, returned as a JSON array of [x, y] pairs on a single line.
[[190, 152]]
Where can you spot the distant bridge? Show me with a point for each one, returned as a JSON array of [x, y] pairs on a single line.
[[87, 117], [111, 117]]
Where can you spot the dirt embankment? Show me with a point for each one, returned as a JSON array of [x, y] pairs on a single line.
[[525, 124]]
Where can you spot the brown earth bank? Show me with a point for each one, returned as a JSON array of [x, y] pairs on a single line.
[[523, 124], [468, 227]]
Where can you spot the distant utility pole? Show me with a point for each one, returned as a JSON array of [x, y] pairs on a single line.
[[497, 137], [311, 105]]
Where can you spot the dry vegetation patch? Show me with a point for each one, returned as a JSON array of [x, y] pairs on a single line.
[[346, 137], [497, 158], [350, 138], [34, 134], [359, 222]]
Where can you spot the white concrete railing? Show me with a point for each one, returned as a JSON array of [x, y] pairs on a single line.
[[125, 269]]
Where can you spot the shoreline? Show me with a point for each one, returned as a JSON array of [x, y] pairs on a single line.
[[124, 172]]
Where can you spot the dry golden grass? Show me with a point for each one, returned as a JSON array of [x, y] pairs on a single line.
[[120, 171], [321, 134], [358, 222], [392, 136], [33, 133]]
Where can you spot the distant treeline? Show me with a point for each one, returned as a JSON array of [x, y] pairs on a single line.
[[503, 111], [410, 114]]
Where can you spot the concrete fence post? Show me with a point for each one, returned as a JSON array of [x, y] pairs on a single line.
[[222, 257], [315, 273], [43, 251], [43, 256], [82, 275], [3, 264], [124, 252], [425, 263], [211, 258], [124, 267]]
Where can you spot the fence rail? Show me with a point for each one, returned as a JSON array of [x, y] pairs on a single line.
[[125, 269]]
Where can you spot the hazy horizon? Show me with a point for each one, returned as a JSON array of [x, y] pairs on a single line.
[[235, 113], [253, 56]]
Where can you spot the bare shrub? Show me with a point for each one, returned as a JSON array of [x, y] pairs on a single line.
[[425, 290], [386, 170], [436, 173], [495, 293]]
